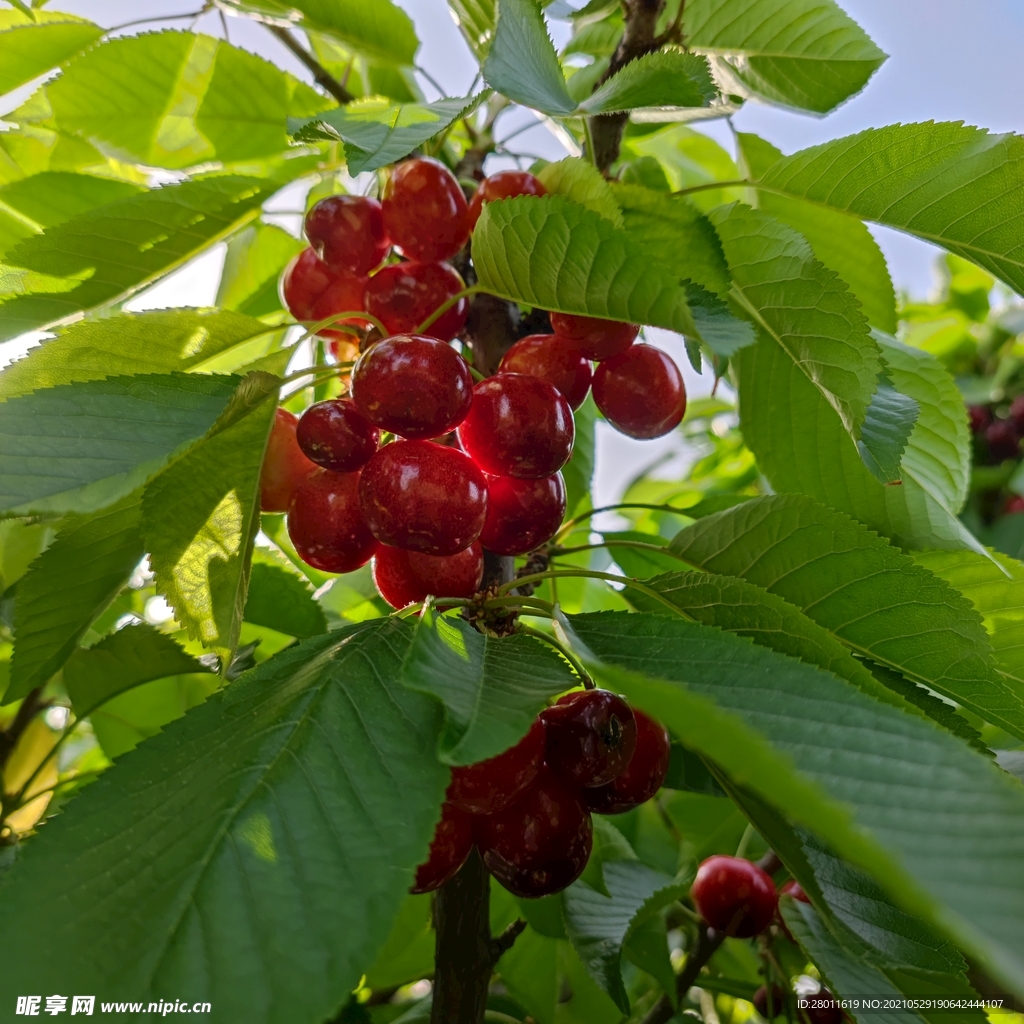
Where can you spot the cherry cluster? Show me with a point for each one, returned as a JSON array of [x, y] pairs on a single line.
[[998, 436], [528, 809]]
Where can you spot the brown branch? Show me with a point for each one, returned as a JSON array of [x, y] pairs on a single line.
[[30, 707], [708, 940], [321, 75]]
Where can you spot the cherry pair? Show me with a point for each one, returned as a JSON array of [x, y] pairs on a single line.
[[528, 809]]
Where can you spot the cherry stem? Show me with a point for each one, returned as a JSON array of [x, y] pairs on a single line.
[[568, 524], [593, 574], [319, 370], [708, 941], [350, 314], [614, 543], [445, 306], [564, 650]]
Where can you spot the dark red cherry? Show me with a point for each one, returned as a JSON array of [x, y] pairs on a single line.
[[522, 514], [403, 295], [823, 1008], [424, 497], [643, 776], [539, 844], [796, 890], [335, 434], [490, 786], [413, 386], [772, 1007], [734, 895], [346, 292], [980, 416], [554, 359], [1003, 440], [640, 392], [347, 233], [303, 281], [425, 210], [591, 735], [284, 465], [326, 524], [1016, 413], [408, 577], [503, 185], [453, 839], [518, 426], [597, 339], [1014, 505]]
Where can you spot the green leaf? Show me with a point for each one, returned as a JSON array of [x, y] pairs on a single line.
[[839, 240], [578, 472], [280, 599], [476, 20], [665, 78], [885, 431], [33, 45], [68, 586], [377, 133], [313, 774], [801, 309], [579, 180], [374, 28], [722, 332], [29, 205], [943, 182], [114, 250], [869, 595], [529, 970], [807, 54], [255, 258], [491, 689], [521, 62], [21, 542], [553, 253], [200, 517], [154, 342], [408, 953], [130, 656], [80, 447], [600, 925], [889, 792]]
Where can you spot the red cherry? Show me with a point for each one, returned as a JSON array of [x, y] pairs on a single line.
[[503, 185], [823, 1008], [643, 775], [413, 386], [407, 577], [777, 1004], [522, 514], [453, 839], [403, 295], [346, 292], [347, 233], [796, 890], [539, 844], [1016, 413], [1003, 440], [734, 895], [490, 786], [326, 524], [424, 497], [596, 338], [591, 735], [641, 392], [303, 281], [284, 465], [335, 435], [980, 417], [554, 359], [518, 426], [425, 210]]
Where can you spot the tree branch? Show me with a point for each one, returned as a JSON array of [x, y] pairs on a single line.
[[321, 75], [708, 940]]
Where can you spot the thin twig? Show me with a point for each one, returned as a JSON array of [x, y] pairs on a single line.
[[321, 75], [162, 17], [708, 941]]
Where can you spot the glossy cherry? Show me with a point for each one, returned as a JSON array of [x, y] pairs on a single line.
[[403, 295], [644, 774], [641, 392], [453, 839], [522, 514], [596, 338], [503, 185], [326, 524], [796, 890], [345, 293], [347, 233], [518, 426], [425, 212], [556, 360], [490, 786], [734, 895], [424, 497], [1003, 440], [414, 386], [591, 736], [539, 844], [335, 434], [303, 281], [408, 577], [284, 465]]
